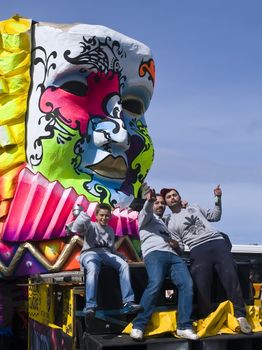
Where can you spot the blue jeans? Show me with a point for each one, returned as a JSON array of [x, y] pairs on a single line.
[[92, 262], [158, 264]]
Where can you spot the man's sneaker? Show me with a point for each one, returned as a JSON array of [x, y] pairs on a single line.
[[89, 312], [244, 325], [136, 334], [131, 308], [187, 333]]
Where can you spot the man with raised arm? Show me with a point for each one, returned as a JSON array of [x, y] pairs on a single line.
[[98, 249], [191, 225], [161, 259]]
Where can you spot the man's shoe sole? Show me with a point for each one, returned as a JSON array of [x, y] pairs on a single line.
[[139, 340]]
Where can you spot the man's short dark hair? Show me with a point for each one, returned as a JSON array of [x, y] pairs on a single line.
[[104, 206], [164, 192]]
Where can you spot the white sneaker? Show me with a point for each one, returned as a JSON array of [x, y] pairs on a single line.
[[187, 333], [137, 334], [244, 325]]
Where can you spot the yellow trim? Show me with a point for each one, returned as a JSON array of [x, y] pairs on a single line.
[[15, 59], [221, 321]]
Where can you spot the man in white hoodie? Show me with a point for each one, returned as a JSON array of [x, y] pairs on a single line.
[[192, 226]]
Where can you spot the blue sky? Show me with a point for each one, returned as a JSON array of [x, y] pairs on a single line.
[[205, 116]]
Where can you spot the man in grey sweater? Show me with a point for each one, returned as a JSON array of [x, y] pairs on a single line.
[[98, 249], [160, 259], [191, 225]]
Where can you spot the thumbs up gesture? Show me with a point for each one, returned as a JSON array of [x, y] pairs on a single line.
[[218, 191]]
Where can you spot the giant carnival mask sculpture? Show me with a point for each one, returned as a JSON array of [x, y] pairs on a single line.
[[73, 99], [90, 89]]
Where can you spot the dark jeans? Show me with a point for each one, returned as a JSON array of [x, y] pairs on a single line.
[[203, 260], [158, 264]]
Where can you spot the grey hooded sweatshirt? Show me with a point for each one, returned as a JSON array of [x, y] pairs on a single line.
[[153, 232], [96, 236]]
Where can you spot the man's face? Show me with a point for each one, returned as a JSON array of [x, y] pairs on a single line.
[[103, 216], [159, 206], [86, 126], [172, 199]]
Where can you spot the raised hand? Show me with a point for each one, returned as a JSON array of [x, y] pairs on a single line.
[[218, 191], [184, 203], [151, 194], [144, 190]]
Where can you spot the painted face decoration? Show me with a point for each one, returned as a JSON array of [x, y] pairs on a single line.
[[85, 125]]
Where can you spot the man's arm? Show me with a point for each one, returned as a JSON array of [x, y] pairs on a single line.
[[146, 214], [176, 243], [177, 246], [81, 223], [215, 214], [212, 215]]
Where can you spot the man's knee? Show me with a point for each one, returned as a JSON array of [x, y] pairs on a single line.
[[185, 284], [155, 284], [92, 267]]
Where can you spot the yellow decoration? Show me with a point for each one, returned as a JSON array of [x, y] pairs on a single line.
[[42, 304], [257, 289], [51, 249], [37, 254], [160, 323], [15, 25], [8, 181], [4, 207], [254, 317], [217, 320], [221, 321], [15, 60]]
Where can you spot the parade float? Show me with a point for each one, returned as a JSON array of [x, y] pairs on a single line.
[[73, 99], [72, 131]]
